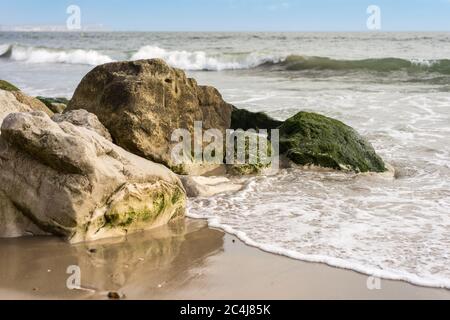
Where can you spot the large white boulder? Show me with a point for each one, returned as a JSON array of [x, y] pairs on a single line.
[[70, 181]]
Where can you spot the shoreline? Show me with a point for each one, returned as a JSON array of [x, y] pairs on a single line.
[[328, 261], [184, 260]]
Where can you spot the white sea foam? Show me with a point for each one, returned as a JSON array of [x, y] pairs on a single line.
[[347, 221], [186, 60], [423, 62], [46, 55], [200, 60], [390, 228], [4, 48]]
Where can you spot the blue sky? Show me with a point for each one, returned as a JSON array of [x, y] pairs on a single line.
[[233, 15]]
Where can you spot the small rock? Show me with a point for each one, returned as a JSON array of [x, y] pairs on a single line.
[[57, 105], [198, 186], [84, 119], [113, 295]]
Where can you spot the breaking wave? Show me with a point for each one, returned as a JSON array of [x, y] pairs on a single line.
[[47, 55], [200, 60], [298, 63]]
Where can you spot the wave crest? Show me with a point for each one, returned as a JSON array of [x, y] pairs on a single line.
[[298, 63], [200, 60], [46, 55]]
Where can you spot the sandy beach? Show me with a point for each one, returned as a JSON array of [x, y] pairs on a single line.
[[185, 260]]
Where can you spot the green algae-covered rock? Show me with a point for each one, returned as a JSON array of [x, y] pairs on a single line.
[[313, 139], [5, 85], [57, 105], [247, 120], [256, 160], [244, 119]]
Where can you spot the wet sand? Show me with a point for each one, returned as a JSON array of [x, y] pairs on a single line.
[[185, 260]]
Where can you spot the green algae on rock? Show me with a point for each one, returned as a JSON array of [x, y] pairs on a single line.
[[57, 105], [313, 139], [256, 160], [137, 205], [242, 119], [5, 85]]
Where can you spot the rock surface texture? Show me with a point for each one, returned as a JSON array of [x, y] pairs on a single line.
[[84, 119], [14, 100], [313, 139], [208, 186], [56, 105], [142, 102], [68, 180], [101, 168]]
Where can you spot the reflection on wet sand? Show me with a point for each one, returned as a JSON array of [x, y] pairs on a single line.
[[145, 262]]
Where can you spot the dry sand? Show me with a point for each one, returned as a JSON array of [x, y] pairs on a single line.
[[185, 260]]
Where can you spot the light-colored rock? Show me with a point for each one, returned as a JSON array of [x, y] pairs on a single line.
[[198, 186], [16, 101], [70, 181], [32, 102], [84, 119], [9, 104], [13, 223], [142, 102], [58, 107]]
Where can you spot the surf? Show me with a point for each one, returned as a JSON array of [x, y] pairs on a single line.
[[49, 55], [299, 63], [221, 61]]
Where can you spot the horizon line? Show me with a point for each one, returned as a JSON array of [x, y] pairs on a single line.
[[227, 31]]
